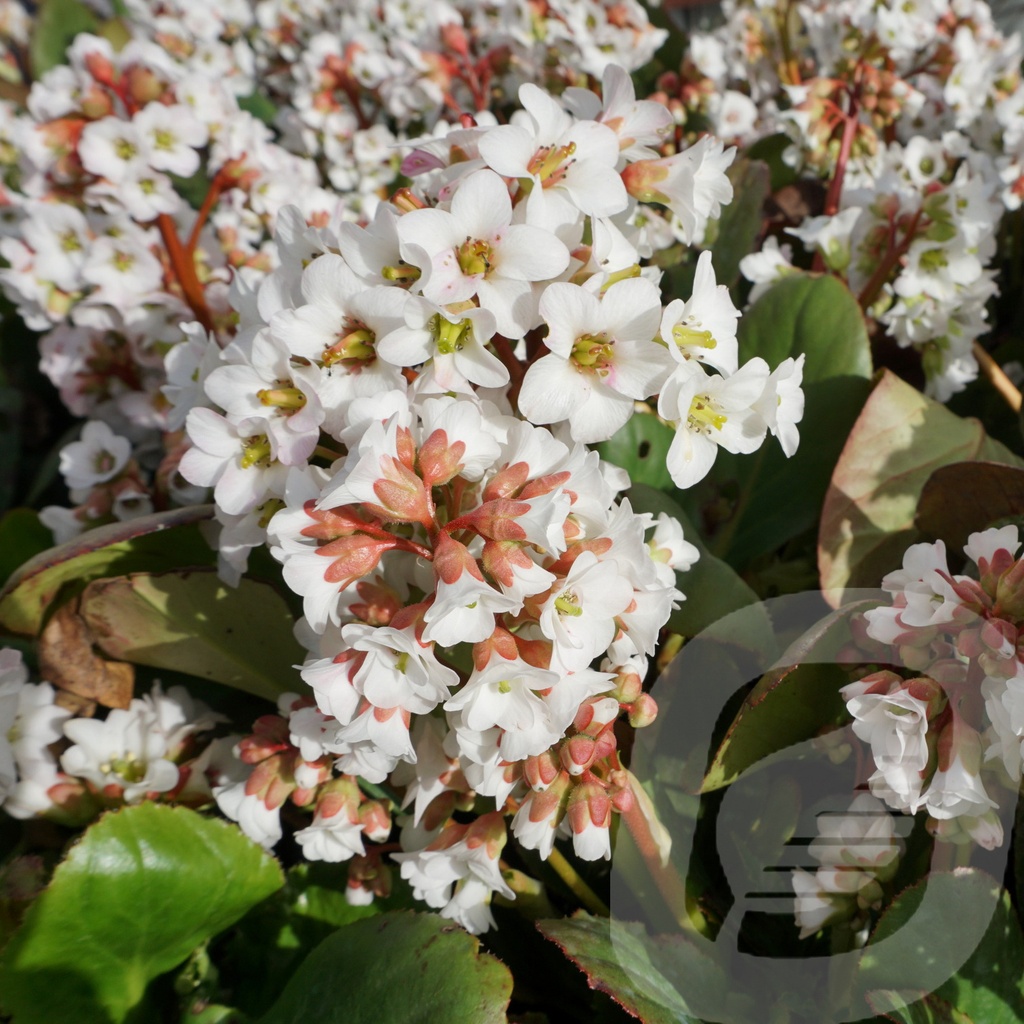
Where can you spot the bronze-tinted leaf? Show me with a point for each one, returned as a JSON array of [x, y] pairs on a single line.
[[965, 497]]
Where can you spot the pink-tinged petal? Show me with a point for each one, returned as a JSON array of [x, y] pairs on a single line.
[[447, 283], [508, 149], [570, 312], [552, 391], [603, 413], [632, 309], [530, 254], [481, 205]]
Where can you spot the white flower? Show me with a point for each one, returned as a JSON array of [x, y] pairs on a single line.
[[602, 359], [711, 411]]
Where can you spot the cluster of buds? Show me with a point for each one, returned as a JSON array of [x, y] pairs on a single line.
[[858, 852], [948, 738], [282, 760]]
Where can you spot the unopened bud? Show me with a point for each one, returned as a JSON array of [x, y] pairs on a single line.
[[643, 712], [540, 770], [577, 754], [143, 85], [376, 820]]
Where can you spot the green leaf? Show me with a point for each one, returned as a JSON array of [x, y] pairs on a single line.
[[135, 896], [779, 497], [396, 967], [962, 498], [22, 537], [988, 985], [741, 221], [640, 448], [904, 1008], [193, 622], [260, 107], [164, 540], [810, 314], [788, 704], [770, 150], [56, 24], [616, 960], [900, 439]]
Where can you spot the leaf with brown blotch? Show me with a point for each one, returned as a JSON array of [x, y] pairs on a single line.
[[68, 661]]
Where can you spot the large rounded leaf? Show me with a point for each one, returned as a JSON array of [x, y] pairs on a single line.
[[136, 895], [164, 540], [192, 622], [399, 967], [900, 439]]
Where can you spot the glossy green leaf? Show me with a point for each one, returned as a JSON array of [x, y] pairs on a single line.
[[789, 704], [988, 984], [640, 448], [162, 541], [413, 968], [813, 315], [777, 498], [56, 24], [135, 896], [900, 439], [193, 622], [259, 106], [616, 960]]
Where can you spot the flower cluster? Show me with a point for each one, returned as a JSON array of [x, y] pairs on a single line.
[[948, 740], [69, 768], [858, 852], [912, 113], [394, 395]]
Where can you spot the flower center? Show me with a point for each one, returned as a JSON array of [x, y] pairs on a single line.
[[703, 416], [474, 257], [592, 352], [357, 344], [448, 337], [257, 451]]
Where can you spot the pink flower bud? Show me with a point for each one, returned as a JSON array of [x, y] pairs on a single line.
[[643, 712]]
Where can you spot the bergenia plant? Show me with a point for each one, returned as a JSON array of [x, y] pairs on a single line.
[[455, 452]]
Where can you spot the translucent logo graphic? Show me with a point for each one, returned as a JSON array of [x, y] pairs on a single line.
[[770, 789]]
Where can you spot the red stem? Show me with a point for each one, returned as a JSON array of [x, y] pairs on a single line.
[[835, 188], [891, 258], [185, 270], [669, 884]]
